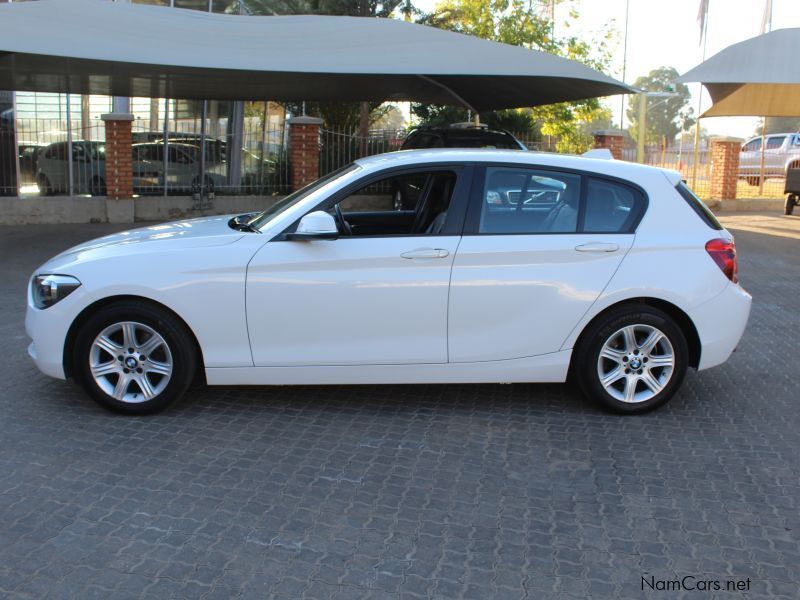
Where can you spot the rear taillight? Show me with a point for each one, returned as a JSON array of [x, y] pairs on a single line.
[[723, 252]]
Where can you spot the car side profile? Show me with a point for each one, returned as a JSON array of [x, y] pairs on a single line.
[[781, 153], [511, 267]]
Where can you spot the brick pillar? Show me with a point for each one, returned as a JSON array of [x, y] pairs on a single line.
[[724, 167], [610, 139], [119, 156], [304, 150]]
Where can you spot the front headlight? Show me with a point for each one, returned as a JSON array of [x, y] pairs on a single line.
[[46, 290]]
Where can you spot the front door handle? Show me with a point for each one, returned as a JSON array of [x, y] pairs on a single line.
[[597, 247], [425, 253]]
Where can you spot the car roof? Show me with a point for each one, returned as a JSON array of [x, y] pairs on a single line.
[[614, 168]]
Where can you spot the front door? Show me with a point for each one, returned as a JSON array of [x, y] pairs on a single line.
[[375, 296], [528, 268]]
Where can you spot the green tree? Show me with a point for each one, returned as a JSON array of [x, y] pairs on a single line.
[[778, 125], [666, 117], [529, 24]]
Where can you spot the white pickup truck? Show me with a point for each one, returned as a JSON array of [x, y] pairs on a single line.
[[781, 152]]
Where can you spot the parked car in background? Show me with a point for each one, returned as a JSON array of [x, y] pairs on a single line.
[[517, 267], [183, 171], [460, 135], [183, 168], [29, 159], [88, 168], [781, 152], [456, 135]]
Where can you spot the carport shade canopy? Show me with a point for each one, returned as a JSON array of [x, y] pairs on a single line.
[[757, 77], [121, 49]]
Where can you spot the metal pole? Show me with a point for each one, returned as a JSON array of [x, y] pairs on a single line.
[[624, 62], [69, 149], [263, 148], [16, 143], [696, 157], [203, 150], [763, 148], [165, 166], [642, 127]]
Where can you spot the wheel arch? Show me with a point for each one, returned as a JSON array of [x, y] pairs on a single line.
[[676, 313], [83, 316]]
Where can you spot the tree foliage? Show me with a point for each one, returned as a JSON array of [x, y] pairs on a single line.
[[529, 24], [666, 117], [778, 125]]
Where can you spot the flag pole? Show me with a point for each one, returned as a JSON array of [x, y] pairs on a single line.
[[704, 37]]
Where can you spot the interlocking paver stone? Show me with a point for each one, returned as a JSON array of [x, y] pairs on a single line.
[[484, 491]]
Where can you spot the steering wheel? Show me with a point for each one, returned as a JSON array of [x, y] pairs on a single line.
[[344, 225]]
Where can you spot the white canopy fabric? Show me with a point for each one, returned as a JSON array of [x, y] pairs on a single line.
[[122, 49], [757, 77]]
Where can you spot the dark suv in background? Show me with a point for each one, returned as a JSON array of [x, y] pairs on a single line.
[[460, 135], [457, 135]]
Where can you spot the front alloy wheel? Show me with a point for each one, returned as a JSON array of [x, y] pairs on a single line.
[[134, 357], [632, 359], [130, 362]]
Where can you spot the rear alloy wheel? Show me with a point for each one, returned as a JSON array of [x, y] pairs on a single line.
[[633, 361], [134, 358]]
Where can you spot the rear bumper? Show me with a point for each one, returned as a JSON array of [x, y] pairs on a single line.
[[720, 323]]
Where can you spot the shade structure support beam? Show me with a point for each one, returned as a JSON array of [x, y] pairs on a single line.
[[449, 91]]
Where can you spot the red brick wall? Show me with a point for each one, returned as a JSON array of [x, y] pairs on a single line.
[[119, 158], [611, 142], [304, 150], [724, 168]]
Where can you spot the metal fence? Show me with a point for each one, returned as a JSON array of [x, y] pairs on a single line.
[[172, 155], [180, 154]]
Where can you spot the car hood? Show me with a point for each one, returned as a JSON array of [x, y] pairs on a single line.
[[190, 233]]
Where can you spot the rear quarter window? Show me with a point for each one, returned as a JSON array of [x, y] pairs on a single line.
[[698, 206]]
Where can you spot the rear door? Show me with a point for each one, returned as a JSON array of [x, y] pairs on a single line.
[[539, 247]]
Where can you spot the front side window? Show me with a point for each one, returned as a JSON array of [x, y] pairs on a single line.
[[372, 209], [752, 145], [521, 200], [610, 207]]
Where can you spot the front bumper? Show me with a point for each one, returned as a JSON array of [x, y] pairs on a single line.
[[720, 323], [48, 329]]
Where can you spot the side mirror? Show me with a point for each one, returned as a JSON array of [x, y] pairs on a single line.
[[317, 225]]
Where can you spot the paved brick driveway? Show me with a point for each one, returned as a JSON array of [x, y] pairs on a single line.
[[481, 491]]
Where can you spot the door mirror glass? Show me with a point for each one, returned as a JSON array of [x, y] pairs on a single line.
[[317, 225]]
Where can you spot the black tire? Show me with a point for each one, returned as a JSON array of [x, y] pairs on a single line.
[[179, 343], [585, 363], [754, 181], [791, 202]]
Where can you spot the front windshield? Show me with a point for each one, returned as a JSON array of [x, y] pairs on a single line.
[[273, 211]]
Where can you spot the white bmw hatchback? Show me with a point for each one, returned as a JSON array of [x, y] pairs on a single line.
[[512, 267]]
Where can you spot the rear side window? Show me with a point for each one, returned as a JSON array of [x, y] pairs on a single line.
[[774, 143], [698, 206], [522, 200], [611, 207]]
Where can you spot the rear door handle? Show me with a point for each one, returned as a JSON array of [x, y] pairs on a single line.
[[425, 253], [597, 247]]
